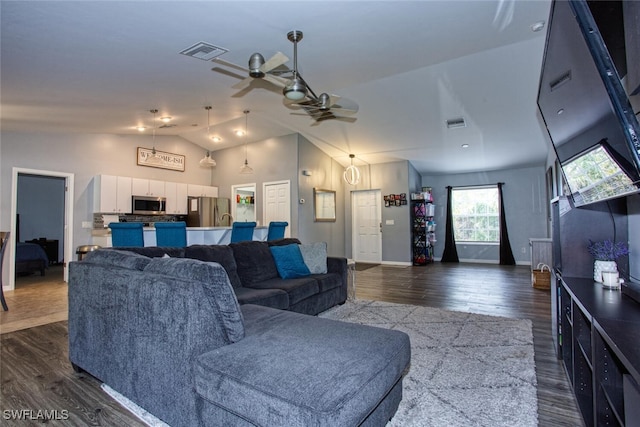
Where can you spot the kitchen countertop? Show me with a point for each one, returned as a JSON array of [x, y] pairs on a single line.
[[107, 232]]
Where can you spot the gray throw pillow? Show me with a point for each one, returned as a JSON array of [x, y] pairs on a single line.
[[315, 256]]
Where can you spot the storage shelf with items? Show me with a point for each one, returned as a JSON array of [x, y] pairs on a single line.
[[423, 227], [599, 336]]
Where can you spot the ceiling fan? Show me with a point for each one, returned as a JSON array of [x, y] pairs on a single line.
[[296, 90]]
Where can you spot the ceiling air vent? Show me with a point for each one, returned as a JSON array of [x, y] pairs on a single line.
[[560, 81], [204, 51], [456, 123]]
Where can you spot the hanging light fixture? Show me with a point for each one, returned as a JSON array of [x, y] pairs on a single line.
[[351, 173], [207, 160], [154, 159], [245, 169]]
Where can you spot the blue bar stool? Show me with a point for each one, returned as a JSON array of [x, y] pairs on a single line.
[[171, 234], [241, 231], [276, 230], [126, 234]]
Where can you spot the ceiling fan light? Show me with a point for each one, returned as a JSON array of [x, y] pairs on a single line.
[[256, 61], [295, 91]]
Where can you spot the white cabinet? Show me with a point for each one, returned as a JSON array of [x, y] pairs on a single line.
[[195, 190], [112, 194], [147, 187], [176, 194]]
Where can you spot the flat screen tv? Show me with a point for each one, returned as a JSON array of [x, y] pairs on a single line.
[[586, 109]]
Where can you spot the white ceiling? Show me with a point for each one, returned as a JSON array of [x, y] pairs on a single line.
[[100, 66]]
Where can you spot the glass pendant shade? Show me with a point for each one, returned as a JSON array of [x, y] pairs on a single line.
[[207, 161]]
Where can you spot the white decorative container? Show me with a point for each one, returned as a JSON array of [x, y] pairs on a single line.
[[600, 266]]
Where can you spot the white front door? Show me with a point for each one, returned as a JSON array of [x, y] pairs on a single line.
[[277, 203], [367, 233]]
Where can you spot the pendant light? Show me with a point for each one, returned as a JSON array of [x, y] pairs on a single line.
[[351, 173], [154, 159], [207, 161], [246, 169]]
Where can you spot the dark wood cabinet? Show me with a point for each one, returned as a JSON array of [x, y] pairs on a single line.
[[599, 343]]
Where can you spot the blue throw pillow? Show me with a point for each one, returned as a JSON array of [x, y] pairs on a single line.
[[289, 261]]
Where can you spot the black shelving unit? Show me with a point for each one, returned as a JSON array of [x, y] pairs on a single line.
[[423, 231], [599, 335]]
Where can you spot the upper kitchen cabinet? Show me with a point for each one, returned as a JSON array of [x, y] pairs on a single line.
[[112, 194], [147, 187], [176, 194], [195, 190]]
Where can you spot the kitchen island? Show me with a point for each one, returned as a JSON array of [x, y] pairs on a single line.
[[195, 236]]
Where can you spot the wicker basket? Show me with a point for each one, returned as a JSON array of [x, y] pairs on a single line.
[[541, 277]]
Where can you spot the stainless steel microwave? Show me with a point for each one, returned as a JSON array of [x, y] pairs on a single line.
[[144, 205]]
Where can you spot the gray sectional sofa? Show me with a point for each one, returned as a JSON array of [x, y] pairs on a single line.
[[170, 334], [254, 275]]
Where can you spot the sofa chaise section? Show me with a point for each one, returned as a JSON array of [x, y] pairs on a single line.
[[297, 370], [169, 334]]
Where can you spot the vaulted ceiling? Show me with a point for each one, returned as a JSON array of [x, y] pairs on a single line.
[[101, 66]]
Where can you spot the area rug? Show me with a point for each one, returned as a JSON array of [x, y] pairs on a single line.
[[466, 369]]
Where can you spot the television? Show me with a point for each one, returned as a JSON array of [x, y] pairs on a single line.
[[586, 110]]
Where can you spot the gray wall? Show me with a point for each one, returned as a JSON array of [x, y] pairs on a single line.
[[525, 210], [273, 159], [326, 174], [86, 155], [389, 178]]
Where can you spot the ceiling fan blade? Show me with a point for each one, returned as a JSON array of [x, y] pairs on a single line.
[[276, 80], [243, 83], [230, 65], [275, 61]]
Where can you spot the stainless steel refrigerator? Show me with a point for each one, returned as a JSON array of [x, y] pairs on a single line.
[[209, 212]]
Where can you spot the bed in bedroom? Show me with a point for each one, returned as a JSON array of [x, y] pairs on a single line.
[[30, 258]]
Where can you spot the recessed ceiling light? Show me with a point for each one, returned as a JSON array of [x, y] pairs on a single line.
[[465, 145], [216, 139], [140, 128], [537, 26], [166, 119], [560, 111], [239, 132]]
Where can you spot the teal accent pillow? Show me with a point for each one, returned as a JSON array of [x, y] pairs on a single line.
[[289, 261]]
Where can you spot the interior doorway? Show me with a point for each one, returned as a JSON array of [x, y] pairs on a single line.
[[67, 252], [243, 202], [366, 208], [277, 203]]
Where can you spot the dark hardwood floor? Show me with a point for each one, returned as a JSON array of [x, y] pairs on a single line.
[[35, 373]]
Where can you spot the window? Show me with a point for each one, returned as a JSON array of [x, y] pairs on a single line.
[[476, 214]]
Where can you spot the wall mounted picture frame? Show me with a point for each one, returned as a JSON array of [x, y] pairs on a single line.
[[324, 205], [162, 159]]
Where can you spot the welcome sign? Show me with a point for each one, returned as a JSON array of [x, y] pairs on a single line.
[[161, 159]]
